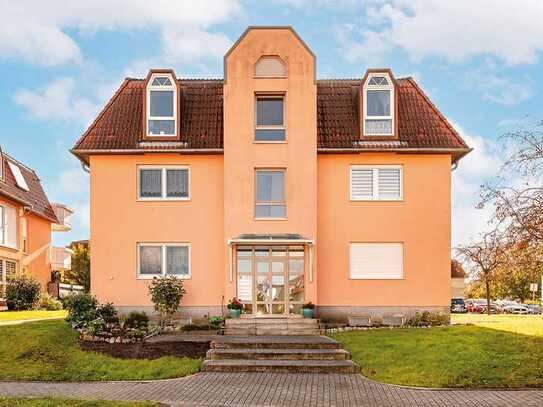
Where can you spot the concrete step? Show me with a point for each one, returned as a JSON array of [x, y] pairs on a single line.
[[271, 321], [281, 366], [275, 342], [278, 354]]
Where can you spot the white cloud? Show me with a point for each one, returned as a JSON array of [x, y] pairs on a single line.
[[37, 31], [498, 88], [57, 101], [454, 30], [481, 165]]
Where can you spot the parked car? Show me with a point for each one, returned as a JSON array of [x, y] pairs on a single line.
[[472, 304], [533, 308], [481, 308], [515, 309], [458, 306]]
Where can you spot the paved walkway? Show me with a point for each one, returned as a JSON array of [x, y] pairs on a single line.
[[267, 389]]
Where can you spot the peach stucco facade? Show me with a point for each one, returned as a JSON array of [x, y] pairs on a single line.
[[219, 212], [35, 259]]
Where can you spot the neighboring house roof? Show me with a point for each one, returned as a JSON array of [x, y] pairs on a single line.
[[119, 126], [457, 271], [35, 198]]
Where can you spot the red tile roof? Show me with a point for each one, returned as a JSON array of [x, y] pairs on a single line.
[[35, 198], [120, 124]]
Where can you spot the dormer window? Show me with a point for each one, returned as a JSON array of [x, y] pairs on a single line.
[[378, 105], [161, 106]]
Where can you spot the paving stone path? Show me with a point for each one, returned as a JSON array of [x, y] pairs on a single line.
[[273, 389]]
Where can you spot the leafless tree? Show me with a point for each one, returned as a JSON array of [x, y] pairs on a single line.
[[484, 258]]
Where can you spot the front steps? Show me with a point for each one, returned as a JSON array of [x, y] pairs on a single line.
[[278, 354], [272, 326]]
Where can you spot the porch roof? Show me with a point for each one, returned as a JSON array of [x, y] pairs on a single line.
[[270, 238]]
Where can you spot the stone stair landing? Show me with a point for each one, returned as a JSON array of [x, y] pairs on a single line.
[[278, 354], [272, 326]]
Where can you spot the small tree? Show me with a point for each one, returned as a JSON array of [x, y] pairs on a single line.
[[484, 257], [80, 271], [22, 293], [166, 294]]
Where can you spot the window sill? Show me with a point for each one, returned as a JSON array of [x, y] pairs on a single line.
[[269, 142], [378, 279], [376, 200], [150, 277], [270, 218], [3, 246], [163, 199]]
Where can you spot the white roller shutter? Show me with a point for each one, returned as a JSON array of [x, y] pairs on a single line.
[[374, 183], [361, 183], [376, 261]]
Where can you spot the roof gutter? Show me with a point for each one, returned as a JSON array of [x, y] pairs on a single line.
[[270, 241], [81, 153], [27, 206], [459, 152]]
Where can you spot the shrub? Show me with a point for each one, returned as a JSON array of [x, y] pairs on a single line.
[[137, 319], [216, 322], [107, 312], [96, 327], [48, 303], [81, 309], [166, 294], [427, 318], [22, 293]]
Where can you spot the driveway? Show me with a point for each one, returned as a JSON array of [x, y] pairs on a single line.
[[274, 389]]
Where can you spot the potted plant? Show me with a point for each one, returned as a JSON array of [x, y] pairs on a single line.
[[308, 310], [235, 307]]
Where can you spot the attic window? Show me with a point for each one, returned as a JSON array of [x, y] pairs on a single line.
[[270, 67], [378, 105], [19, 179], [161, 106]]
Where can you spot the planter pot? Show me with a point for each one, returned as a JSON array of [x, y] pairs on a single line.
[[234, 313], [308, 312]]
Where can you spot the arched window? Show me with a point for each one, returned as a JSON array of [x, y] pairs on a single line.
[[378, 105], [161, 106], [270, 67]]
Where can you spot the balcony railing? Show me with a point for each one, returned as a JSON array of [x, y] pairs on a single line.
[[61, 258], [64, 215]]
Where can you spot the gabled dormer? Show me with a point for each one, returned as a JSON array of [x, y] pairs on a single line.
[[378, 105], [161, 106]]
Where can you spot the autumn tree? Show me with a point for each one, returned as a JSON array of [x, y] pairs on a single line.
[[484, 258], [80, 270]]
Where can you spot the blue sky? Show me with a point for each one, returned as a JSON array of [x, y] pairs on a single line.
[[60, 61]]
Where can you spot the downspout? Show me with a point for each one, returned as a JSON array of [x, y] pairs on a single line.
[[85, 167], [454, 166]]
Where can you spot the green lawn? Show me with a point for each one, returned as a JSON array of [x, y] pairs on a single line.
[[522, 324], [498, 351], [17, 402], [10, 316], [48, 350]]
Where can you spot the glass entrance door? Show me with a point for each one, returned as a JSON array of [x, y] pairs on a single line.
[[270, 279]]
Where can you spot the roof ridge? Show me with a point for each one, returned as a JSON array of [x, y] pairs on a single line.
[[16, 161], [437, 111], [102, 112]]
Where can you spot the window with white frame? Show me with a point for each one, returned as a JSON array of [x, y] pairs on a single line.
[[162, 106], [270, 194], [270, 118], [8, 269], [376, 183], [163, 259], [378, 94], [8, 226], [163, 183], [18, 175], [376, 261]]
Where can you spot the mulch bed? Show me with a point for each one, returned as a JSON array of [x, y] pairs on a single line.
[[146, 350]]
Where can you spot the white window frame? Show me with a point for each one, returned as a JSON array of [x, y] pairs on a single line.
[[389, 87], [161, 88], [375, 179], [271, 127], [18, 175], [271, 203], [3, 272], [402, 265], [163, 266], [4, 227], [164, 189]]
